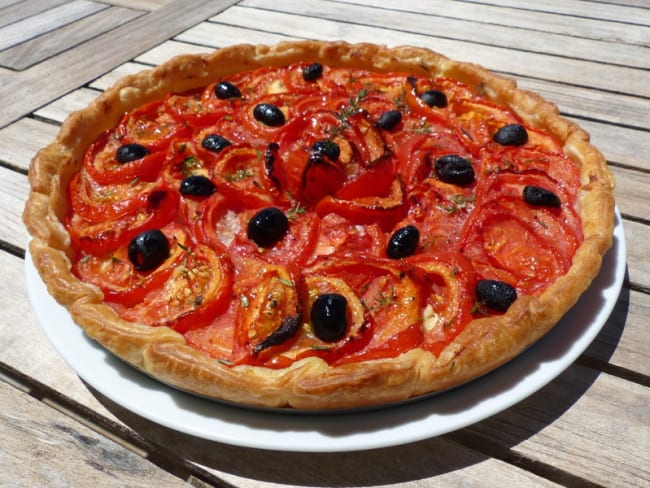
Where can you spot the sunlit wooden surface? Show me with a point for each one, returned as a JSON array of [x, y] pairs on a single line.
[[589, 427]]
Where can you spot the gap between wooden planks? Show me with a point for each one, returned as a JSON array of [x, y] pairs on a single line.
[[27, 90]]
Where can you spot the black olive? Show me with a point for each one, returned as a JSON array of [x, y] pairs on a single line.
[[267, 227], [495, 294], [542, 197], [269, 114], [511, 135], [329, 317], [224, 90], [148, 249], [215, 143], [130, 152], [434, 98], [389, 119], [403, 242], [312, 72], [197, 185], [455, 170], [328, 148]]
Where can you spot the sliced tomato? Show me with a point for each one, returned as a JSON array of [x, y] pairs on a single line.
[[118, 279], [198, 290], [477, 120], [191, 109], [95, 202], [241, 176], [268, 302], [152, 125], [292, 251], [446, 281], [385, 211], [342, 237], [101, 164], [528, 247], [158, 208]]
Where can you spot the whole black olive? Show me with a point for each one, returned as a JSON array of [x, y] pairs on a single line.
[[224, 90], [197, 185], [495, 294], [328, 148], [130, 152], [511, 135], [540, 197], [329, 317], [389, 119], [455, 170], [403, 242], [434, 98], [215, 143], [269, 114], [312, 72], [148, 249], [267, 227]]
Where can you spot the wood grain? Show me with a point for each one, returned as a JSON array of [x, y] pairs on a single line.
[[63, 451]]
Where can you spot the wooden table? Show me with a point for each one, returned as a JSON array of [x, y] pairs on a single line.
[[589, 427]]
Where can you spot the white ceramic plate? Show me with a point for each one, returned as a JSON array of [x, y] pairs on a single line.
[[350, 431]]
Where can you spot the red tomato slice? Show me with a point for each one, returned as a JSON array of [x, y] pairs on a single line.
[[153, 125], [341, 237], [116, 276], [101, 164], [385, 211], [158, 209], [198, 289], [264, 307]]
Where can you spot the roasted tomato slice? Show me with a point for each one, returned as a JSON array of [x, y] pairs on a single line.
[[120, 281], [155, 210], [152, 125], [291, 251], [96, 202], [382, 210], [267, 317], [101, 163], [446, 282], [524, 246], [341, 237], [198, 289]]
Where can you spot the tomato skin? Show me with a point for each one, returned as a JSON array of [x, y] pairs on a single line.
[[198, 289], [102, 166], [158, 208], [385, 211], [117, 277]]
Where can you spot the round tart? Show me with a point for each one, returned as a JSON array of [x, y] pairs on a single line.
[[318, 225]]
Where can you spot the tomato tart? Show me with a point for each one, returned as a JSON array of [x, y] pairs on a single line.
[[318, 225]]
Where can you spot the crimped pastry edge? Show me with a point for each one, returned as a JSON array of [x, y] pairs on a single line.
[[310, 383]]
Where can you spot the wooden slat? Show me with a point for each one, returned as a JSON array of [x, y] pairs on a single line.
[[36, 50], [63, 451], [537, 65], [19, 142], [59, 109], [167, 50], [17, 11], [638, 253], [590, 20], [47, 21], [222, 34], [625, 347], [13, 197], [585, 423], [586, 9], [74, 68], [439, 19]]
